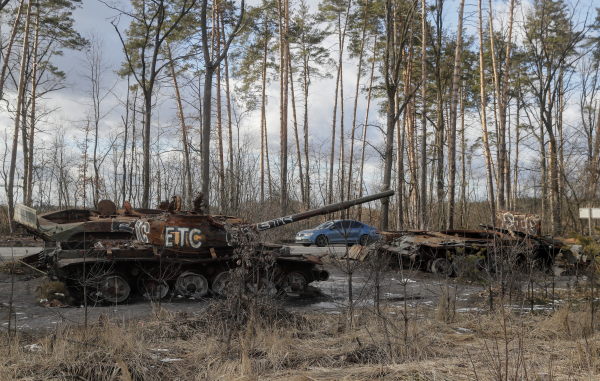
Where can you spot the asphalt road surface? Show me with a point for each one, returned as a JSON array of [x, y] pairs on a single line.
[[6, 253]]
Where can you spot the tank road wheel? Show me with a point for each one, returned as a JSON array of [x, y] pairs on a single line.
[[113, 289], [442, 267], [220, 283], [264, 287], [294, 282], [191, 284], [321, 241], [151, 288], [364, 240]]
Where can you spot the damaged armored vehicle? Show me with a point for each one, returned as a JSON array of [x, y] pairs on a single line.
[[158, 252]]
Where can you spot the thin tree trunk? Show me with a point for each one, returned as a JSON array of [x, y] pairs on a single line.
[[301, 175], [133, 137], [335, 102], [222, 204], [232, 205], [502, 128], [11, 41], [423, 116], [263, 126], [186, 152], [364, 137], [283, 39], [504, 102], [360, 56], [488, 155], [306, 80], [20, 92], [24, 140], [125, 126], [29, 173], [452, 133], [338, 85], [463, 148], [440, 120], [516, 170]]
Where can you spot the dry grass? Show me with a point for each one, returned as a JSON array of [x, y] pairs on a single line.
[[273, 344]]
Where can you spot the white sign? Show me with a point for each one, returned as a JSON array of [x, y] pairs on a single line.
[[585, 213]]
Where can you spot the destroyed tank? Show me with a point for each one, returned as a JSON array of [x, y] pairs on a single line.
[[78, 225], [187, 252]]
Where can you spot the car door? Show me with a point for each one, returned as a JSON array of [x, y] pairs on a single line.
[[355, 230], [336, 232]]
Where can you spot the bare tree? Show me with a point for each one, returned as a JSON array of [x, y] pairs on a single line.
[[211, 63], [452, 133], [20, 92], [152, 24]]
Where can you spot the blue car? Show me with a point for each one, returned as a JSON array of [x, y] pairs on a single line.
[[338, 231]]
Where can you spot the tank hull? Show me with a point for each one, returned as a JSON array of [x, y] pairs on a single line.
[[79, 264]]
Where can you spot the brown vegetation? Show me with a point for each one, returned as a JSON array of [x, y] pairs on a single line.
[[277, 345]]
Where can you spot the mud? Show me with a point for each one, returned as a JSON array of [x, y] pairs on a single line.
[[330, 296]]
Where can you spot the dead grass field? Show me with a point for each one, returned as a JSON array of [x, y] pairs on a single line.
[[261, 341]]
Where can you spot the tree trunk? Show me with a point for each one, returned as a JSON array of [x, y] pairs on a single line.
[[335, 102], [463, 148], [516, 170], [452, 133], [125, 126], [423, 116], [263, 127], [488, 155], [504, 99], [186, 152], [360, 56], [206, 114], [29, 174], [301, 175], [283, 40], [11, 41], [391, 93], [364, 137], [20, 92], [146, 149], [306, 80], [502, 128], [232, 204], [222, 204]]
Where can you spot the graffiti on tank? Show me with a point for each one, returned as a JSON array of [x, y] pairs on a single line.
[[142, 228], [123, 226], [525, 223], [182, 237], [274, 223]]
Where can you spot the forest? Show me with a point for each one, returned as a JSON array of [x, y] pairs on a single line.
[[275, 107]]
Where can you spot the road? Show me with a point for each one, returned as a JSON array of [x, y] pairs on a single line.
[[6, 253]]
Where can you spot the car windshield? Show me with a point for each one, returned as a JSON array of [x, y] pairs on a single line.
[[324, 225]]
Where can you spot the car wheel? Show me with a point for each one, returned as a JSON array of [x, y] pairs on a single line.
[[321, 241], [364, 240], [306, 244]]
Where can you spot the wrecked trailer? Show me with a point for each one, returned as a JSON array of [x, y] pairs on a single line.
[[515, 234], [188, 252]]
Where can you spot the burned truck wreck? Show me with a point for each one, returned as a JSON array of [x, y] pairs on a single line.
[[187, 252], [514, 235]]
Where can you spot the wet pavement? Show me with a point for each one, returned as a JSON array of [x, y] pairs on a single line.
[[417, 288], [330, 296]]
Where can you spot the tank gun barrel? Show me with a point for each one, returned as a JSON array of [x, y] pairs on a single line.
[[320, 211]]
